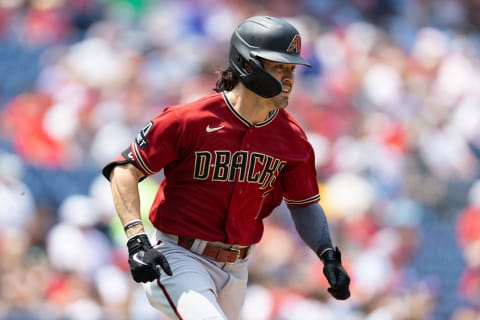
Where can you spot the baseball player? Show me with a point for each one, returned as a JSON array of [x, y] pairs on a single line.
[[229, 159]]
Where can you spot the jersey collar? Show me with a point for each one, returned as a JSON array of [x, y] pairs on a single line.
[[271, 115]]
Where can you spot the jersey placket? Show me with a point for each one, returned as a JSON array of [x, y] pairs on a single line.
[[242, 205]]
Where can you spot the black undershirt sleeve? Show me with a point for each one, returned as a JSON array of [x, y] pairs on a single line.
[[312, 226], [121, 160]]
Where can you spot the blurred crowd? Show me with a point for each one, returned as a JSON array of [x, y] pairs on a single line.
[[391, 105]]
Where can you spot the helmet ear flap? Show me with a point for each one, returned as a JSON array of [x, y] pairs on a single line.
[[260, 81], [253, 76]]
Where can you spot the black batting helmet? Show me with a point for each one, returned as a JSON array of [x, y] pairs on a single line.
[[264, 37]]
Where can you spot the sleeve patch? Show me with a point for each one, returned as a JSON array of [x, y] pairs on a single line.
[[141, 138]]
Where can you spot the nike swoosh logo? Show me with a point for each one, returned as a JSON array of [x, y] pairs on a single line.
[[210, 129], [137, 259]]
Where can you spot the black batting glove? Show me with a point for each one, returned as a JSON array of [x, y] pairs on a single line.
[[336, 275], [145, 261]]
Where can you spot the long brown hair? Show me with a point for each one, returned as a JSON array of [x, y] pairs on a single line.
[[227, 80]]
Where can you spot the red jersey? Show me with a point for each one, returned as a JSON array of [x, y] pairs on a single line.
[[222, 175]]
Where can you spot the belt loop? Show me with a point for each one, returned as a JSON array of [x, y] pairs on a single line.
[[237, 252], [198, 246]]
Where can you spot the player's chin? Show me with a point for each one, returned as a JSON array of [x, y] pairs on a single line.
[[281, 101]]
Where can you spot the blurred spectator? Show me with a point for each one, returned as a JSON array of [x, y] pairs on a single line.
[[468, 235]]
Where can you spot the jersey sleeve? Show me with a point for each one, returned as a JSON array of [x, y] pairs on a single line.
[[300, 182], [154, 147]]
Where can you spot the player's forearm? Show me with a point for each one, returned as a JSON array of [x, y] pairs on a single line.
[[126, 198], [312, 226]]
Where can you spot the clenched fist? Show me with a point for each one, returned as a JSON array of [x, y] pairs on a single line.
[[144, 260], [336, 275]]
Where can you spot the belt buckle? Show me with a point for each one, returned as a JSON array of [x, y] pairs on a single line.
[[237, 251]]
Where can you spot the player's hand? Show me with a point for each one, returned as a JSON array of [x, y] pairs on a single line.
[[336, 275], [145, 261]]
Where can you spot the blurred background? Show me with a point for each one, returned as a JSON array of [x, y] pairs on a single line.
[[391, 105]]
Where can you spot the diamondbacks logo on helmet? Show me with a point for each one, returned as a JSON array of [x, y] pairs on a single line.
[[296, 45]]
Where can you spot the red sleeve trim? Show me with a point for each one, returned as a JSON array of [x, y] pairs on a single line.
[[139, 160]]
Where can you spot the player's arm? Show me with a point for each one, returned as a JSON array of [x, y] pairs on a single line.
[[312, 226], [144, 260], [126, 197]]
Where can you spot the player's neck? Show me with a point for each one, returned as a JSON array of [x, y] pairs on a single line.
[[251, 106]]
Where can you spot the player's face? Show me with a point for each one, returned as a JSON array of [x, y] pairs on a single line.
[[285, 73]]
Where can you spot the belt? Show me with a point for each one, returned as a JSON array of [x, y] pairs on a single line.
[[228, 255]]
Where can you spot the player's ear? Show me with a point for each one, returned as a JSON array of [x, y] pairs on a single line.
[[247, 67]]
